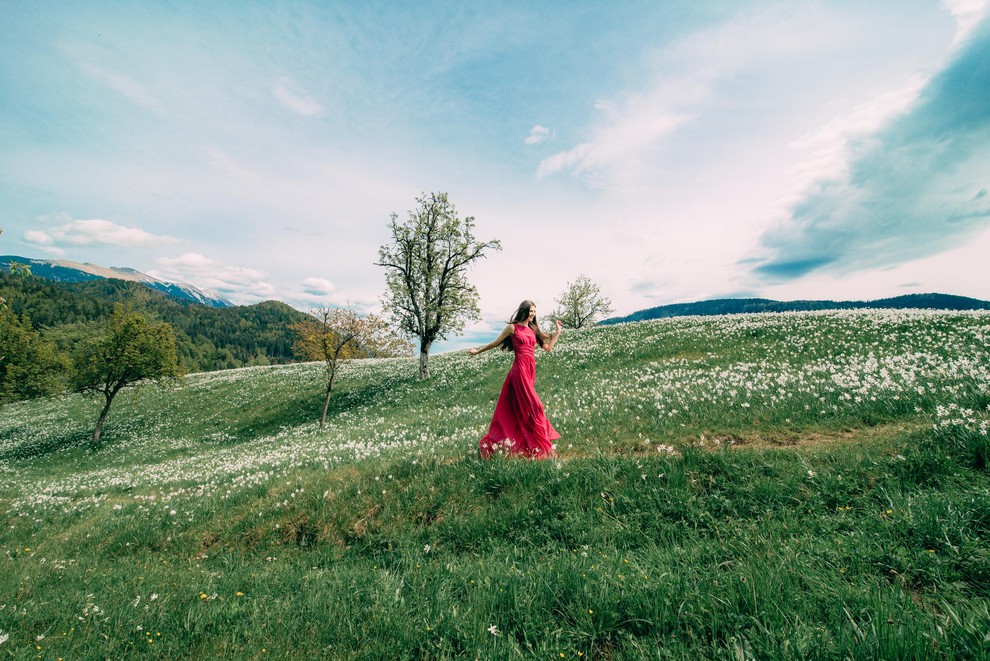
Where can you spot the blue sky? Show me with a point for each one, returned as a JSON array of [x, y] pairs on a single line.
[[671, 151]]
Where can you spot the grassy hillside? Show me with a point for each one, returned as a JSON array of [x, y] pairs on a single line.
[[800, 485]]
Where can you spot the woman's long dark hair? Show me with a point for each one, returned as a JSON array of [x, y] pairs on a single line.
[[521, 315]]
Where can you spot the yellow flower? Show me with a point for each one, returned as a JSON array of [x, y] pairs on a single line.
[[202, 595], [240, 594]]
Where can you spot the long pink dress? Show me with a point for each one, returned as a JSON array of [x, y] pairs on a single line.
[[520, 425]]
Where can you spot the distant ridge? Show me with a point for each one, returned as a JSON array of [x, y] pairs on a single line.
[[63, 270], [751, 305]]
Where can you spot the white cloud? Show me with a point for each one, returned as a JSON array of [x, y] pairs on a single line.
[[828, 145], [537, 134], [967, 14], [239, 284], [95, 232], [318, 286], [37, 237], [297, 103]]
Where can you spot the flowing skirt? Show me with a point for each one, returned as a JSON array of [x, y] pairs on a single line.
[[520, 425]]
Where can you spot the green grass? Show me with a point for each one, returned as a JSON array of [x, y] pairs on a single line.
[[761, 486]]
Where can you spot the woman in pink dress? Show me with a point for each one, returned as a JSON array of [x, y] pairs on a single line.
[[520, 425]]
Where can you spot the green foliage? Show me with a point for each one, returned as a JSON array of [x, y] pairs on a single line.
[[30, 366], [581, 304], [129, 350], [428, 294], [206, 338]]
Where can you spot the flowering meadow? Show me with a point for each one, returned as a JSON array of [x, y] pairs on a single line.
[[796, 485]]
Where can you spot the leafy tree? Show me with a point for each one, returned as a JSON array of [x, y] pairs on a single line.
[[129, 349], [338, 334], [581, 304], [428, 294], [30, 366]]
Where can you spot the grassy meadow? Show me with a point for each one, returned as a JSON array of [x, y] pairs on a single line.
[[798, 485]]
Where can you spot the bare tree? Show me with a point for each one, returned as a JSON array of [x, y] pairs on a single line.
[[428, 294], [581, 304], [338, 334]]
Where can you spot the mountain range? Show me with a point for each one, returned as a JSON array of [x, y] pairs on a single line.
[[747, 305], [72, 272], [64, 270]]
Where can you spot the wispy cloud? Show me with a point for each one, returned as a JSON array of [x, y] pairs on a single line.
[[627, 131], [301, 104], [679, 89], [94, 232], [913, 188], [967, 14], [828, 146], [123, 84]]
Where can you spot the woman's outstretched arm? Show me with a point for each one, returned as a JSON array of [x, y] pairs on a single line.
[[553, 338], [506, 332]]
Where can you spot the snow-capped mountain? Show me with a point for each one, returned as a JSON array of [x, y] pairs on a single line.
[[64, 270]]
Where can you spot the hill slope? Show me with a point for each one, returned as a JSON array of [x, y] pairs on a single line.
[[754, 305], [208, 338], [728, 486]]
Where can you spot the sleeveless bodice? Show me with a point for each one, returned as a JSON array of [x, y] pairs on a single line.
[[523, 341]]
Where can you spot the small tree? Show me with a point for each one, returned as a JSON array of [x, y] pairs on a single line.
[[339, 334], [428, 294], [581, 304], [128, 350]]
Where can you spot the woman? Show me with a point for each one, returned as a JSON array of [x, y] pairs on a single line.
[[519, 425]]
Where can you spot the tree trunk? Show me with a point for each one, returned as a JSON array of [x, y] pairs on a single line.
[[326, 405], [424, 359], [103, 418]]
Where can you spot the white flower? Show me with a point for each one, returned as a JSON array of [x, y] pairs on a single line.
[[426, 549], [493, 630]]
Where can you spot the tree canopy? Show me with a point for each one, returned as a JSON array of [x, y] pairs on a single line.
[[129, 349], [426, 262], [581, 304]]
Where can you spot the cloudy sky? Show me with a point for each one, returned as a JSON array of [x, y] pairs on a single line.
[[671, 151]]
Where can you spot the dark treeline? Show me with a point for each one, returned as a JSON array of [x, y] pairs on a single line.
[[751, 305], [207, 338]]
